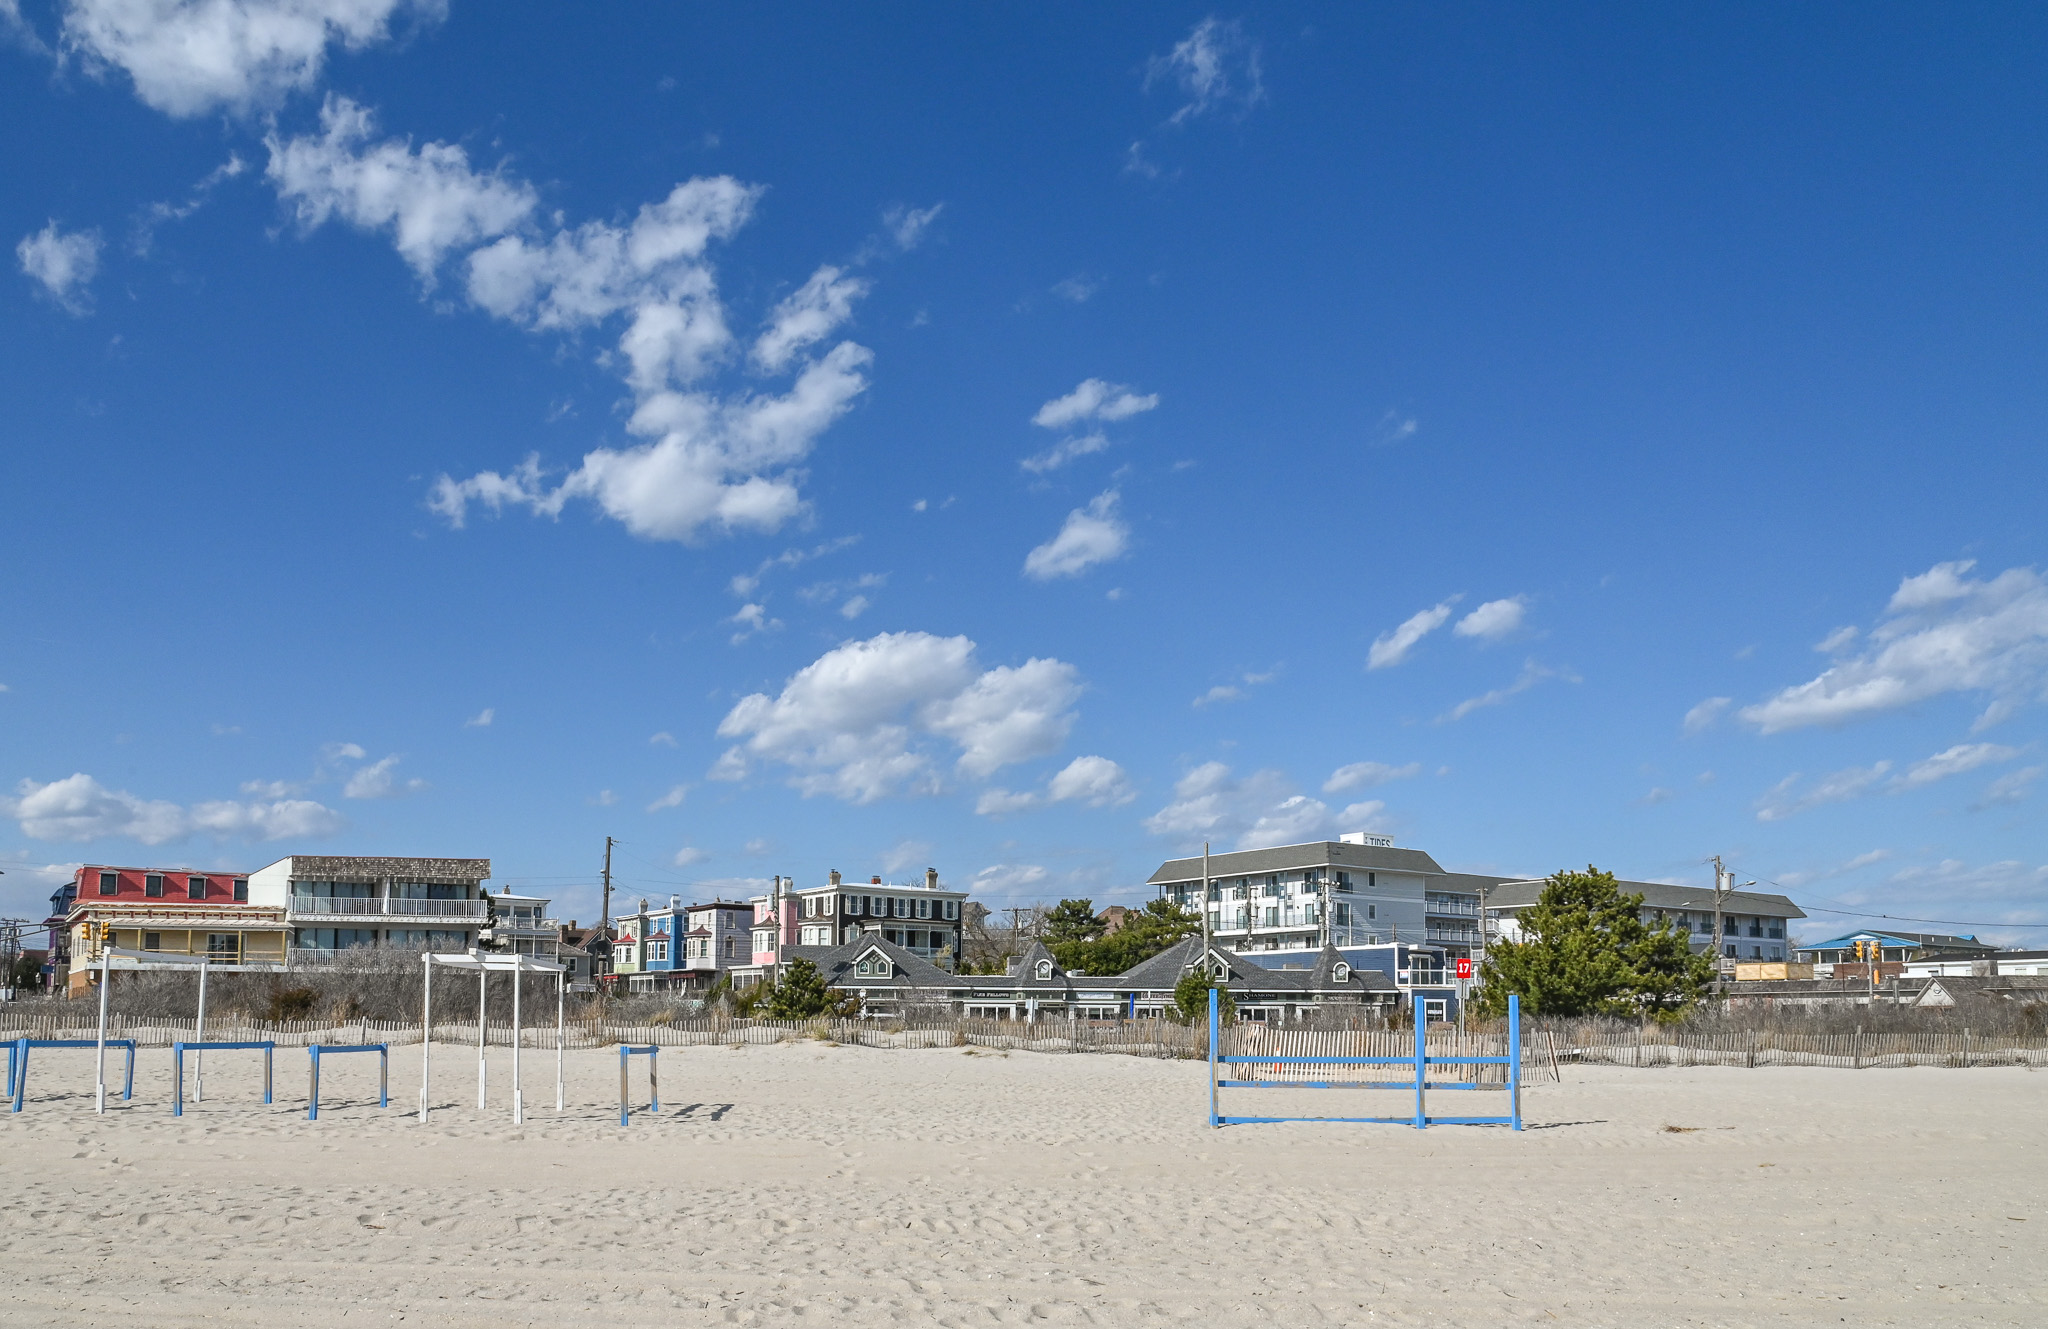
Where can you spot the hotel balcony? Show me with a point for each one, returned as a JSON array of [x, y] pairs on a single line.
[[316, 909]]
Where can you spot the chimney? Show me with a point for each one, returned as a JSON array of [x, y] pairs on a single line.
[[874, 881], [675, 902], [835, 876], [931, 879], [643, 904]]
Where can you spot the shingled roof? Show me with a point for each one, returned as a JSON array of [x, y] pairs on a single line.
[[1295, 857]]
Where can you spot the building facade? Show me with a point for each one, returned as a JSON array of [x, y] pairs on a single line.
[[1360, 890], [1900, 948], [519, 925], [173, 911], [923, 918], [333, 903], [1755, 926]]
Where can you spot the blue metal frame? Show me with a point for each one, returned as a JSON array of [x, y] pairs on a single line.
[[653, 1054], [1420, 1063], [178, 1051], [317, 1051], [17, 1063]]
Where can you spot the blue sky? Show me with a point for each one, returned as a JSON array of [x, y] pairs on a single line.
[[1028, 442]]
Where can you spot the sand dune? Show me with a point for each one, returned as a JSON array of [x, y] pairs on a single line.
[[812, 1183]]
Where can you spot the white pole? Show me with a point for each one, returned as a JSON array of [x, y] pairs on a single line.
[[426, 1029], [199, 1036], [518, 1102], [561, 1036], [481, 974], [100, 1062]]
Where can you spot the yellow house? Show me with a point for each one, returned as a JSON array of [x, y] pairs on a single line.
[[170, 911]]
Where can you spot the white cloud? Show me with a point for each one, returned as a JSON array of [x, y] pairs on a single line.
[[377, 781], [1839, 639], [906, 854], [1094, 399], [745, 584], [1961, 758], [156, 214], [1942, 632], [1782, 801], [1365, 774], [1494, 619], [1215, 67], [809, 315], [1064, 451], [2010, 787], [343, 752], [1658, 794], [481, 720], [190, 57], [605, 798], [1091, 535], [708, 463], [854, 607], [63, 263], [1532, 674], [1391, 648], [81, 808], [1077, 289], [857, 722], [1261, 809], [908, 225], [430, 200], [672, 799], [1096, 781], [752, 618], [664, 739], [687, 855], [272, 790], [1704, 715], [1001, 881], [1395, 427], [1222, 692]]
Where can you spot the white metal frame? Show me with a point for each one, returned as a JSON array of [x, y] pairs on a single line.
[[145, 960], [485, 965]]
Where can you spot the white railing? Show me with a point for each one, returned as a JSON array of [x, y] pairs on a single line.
[[304, 905], [1451, 908]]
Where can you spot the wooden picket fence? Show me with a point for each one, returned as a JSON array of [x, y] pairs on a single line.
[[1546, 1046]]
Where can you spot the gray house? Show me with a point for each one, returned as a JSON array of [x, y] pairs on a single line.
[[1754, 925]]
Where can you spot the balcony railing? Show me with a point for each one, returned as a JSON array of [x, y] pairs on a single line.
[[382, 908], [1445, 908]]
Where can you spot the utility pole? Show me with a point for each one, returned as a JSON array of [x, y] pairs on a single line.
[[1207, 941], [1482, 927], [1723, 883], [1323, 907], [604, 921]]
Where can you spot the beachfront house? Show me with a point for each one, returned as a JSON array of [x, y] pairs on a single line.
[[1977, 963], [1284, 904], [1755, 925], [1899, 948], [716, 938], [923, 918], [332, 903], [519, 925], [175, 911]]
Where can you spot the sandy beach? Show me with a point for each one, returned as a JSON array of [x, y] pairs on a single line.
[[816, 1183]]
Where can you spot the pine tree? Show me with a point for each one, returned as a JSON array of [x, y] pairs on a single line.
[[1191, 998], [1071, 921], [1145, 933], [1585, 950], [800, 993]]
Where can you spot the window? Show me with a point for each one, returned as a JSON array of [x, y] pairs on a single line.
[[1272, 917], [729, 947], [1044, 972], [1372, 912], [952, 910], [1343, 881], [1731, 952], [153, 885], [152, 941], [195, 888], [1435, 1008], [224, 945], [657, 951], [1777, 929], [110, 883], [924, 908], [241, 890]]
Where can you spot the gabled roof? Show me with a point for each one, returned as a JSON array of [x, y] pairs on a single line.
[[1026, 973], [1508, 893], [910, 970], [1162, 970], [1295, 857], [1956, 947]]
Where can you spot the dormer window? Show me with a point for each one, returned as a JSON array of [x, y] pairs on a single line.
[[1044, 971], [1220, 972], [872, 965], [1341, 972]]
